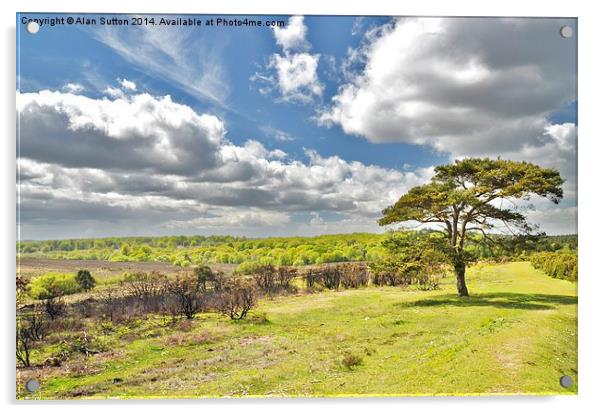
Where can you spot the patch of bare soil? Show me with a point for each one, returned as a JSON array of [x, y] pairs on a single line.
[[32, 267]]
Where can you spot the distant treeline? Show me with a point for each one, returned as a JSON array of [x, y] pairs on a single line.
[[196, 250]]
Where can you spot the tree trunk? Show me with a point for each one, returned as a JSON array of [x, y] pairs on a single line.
[[460, 270]]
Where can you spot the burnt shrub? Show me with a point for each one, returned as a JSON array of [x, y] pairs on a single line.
[[331, 277], [188, 294], [350, 361], [326, 276], [209, 279], [85, 280], [144, 286], [237, 298], [354, 275], [285, 276], [31, 328], [109, 301], [265, 277], [312, 277], [54, 303], [386, 273]]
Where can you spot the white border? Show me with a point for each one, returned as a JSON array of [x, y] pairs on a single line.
[[589, 190]]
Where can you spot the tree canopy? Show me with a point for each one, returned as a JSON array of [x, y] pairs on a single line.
[[475, 194]]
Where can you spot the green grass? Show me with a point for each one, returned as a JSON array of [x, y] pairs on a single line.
[[517, 333]]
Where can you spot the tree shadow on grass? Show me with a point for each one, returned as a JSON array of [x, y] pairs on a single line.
[[499, 300]]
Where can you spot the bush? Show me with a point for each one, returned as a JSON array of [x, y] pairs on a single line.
[[351, 360], [265, 277], [85, 280], [354, 275], [47, 285], [285, 276], [561, 265], [327, 276], [31, 328], [187, 291], [54, 305], [146, 287], [208, 279], [237, 298]]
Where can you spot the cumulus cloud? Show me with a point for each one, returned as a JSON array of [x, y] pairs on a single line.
[[73, 88], [294, 72], [293, 35], [127, 84], [150, 162], [465, 87], [458, 85], [137, 133]]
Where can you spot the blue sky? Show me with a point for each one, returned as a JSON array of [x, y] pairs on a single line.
[[46, 64], [385, 102]]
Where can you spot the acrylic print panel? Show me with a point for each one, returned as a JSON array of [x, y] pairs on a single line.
[[295, 206]]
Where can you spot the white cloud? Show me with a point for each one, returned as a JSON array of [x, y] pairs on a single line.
[[73, 88], [127, 84], [113, 92], [293, 35], [137, 133], [149, 162], [465, 87], [297, 76], [294, 73], [454, 84]]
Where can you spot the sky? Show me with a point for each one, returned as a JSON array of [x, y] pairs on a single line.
[[305, 129]]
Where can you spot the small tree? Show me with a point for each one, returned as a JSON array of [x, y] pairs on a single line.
[[108, 297], [146, 287], [53, 302], [85, 280], [265, 277], [237, 298], [188, 293], [209, 279], [31, 328], [204, 275], [474, 195]]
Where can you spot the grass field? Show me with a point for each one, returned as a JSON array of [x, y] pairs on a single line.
[[516, 334]]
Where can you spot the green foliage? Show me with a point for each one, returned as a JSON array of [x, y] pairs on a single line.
[[85, 280], [53, 284], [466, 196], [250, 254], [413, 258], [561, 265]]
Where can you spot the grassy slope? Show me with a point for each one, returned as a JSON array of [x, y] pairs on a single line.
[[517, 333]]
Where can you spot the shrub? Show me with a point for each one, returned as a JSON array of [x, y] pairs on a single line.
[[47, 285], [108, 298], [561, 265], [328, 276], [187, 291], [54, 306], [354, 275], [208, 279], [285, 276], [85, 280], [331, 277], [265, 277], [351, 360], [31, 328], [237, 298], [146, 287]]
